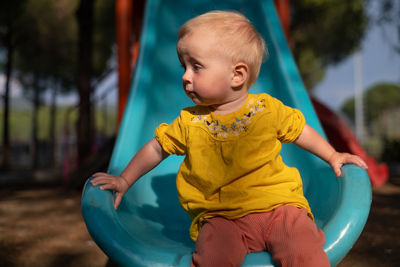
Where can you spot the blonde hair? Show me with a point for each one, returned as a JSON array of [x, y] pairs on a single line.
[[239, 38]]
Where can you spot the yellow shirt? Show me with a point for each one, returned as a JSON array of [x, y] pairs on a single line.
[[232, 164]]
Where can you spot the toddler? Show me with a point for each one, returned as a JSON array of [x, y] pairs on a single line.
[[233, 183]]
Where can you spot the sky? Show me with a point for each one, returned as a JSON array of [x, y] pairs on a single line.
[[380, 63]]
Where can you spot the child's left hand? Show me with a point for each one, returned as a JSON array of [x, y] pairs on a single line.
[[337, 160]]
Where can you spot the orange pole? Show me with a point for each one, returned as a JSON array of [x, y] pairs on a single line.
[[283, 9], [123, 9]]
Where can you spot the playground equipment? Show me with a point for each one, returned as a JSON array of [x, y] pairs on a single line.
[[343, 140], [150, 228]]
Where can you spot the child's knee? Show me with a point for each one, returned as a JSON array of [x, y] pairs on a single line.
[[306, 253], [296, 240], [219, 244], [300, 259]]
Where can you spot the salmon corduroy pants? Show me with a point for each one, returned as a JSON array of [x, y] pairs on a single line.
[[287, 232]]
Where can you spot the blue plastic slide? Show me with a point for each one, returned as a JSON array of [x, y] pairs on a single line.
[[150, 228]]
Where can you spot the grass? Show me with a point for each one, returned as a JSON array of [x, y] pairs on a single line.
[[21, 123]]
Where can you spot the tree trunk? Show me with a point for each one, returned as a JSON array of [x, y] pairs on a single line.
[[52, 125], [6, 129], [35, 123], [85, 43]]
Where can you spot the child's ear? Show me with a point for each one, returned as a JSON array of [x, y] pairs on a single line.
[[240, 74]]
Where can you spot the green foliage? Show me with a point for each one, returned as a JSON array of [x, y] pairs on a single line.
[[50, 47], [104, 35], [389, 21], [377, 99], [46, 55], [11, 20], [382, 114], [324, 32]]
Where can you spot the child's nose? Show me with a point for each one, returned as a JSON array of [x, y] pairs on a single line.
[[186, 78]]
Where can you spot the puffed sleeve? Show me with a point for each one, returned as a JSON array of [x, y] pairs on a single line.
[[172, 137], [290, 123]]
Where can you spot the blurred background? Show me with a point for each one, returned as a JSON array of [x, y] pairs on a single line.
[[57, 59], [63, 98]]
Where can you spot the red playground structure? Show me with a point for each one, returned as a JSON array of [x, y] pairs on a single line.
[[344, 140]]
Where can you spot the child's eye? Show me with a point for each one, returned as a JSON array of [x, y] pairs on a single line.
[[196, 67]]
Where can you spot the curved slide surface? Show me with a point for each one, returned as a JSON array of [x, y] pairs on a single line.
[[150, 228]]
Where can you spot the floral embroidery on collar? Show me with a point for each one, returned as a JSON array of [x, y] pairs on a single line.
[[233, 128]]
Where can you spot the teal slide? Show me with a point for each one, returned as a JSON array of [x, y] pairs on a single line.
[[150, 228]]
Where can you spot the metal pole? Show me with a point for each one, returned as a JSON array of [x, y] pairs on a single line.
[[359, 103]]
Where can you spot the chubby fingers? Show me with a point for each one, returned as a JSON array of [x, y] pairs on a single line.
[[110, 182], [337, 169], [106, 180], [100, 176], [354, 159], [117, 201], [360, 162], [345, 158]]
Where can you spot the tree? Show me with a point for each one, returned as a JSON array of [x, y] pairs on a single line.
[[95, 39], [324, 32], [48, 59], [382, 114], [388, 18], [85, 68], [44, 60], [10, 31], [378, 99]]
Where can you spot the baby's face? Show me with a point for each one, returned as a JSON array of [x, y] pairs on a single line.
[[208, 72]]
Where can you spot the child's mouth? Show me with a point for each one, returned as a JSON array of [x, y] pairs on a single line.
[[191, 95]]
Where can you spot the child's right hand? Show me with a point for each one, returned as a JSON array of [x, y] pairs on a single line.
[[106, 181], [337, 160]]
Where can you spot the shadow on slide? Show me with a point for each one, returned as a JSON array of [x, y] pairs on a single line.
[[150, 228]]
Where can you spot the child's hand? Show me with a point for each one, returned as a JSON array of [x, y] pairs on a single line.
[[338, 159], [106, 181]]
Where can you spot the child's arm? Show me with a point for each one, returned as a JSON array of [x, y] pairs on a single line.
[[311, 141], [148, 157]]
